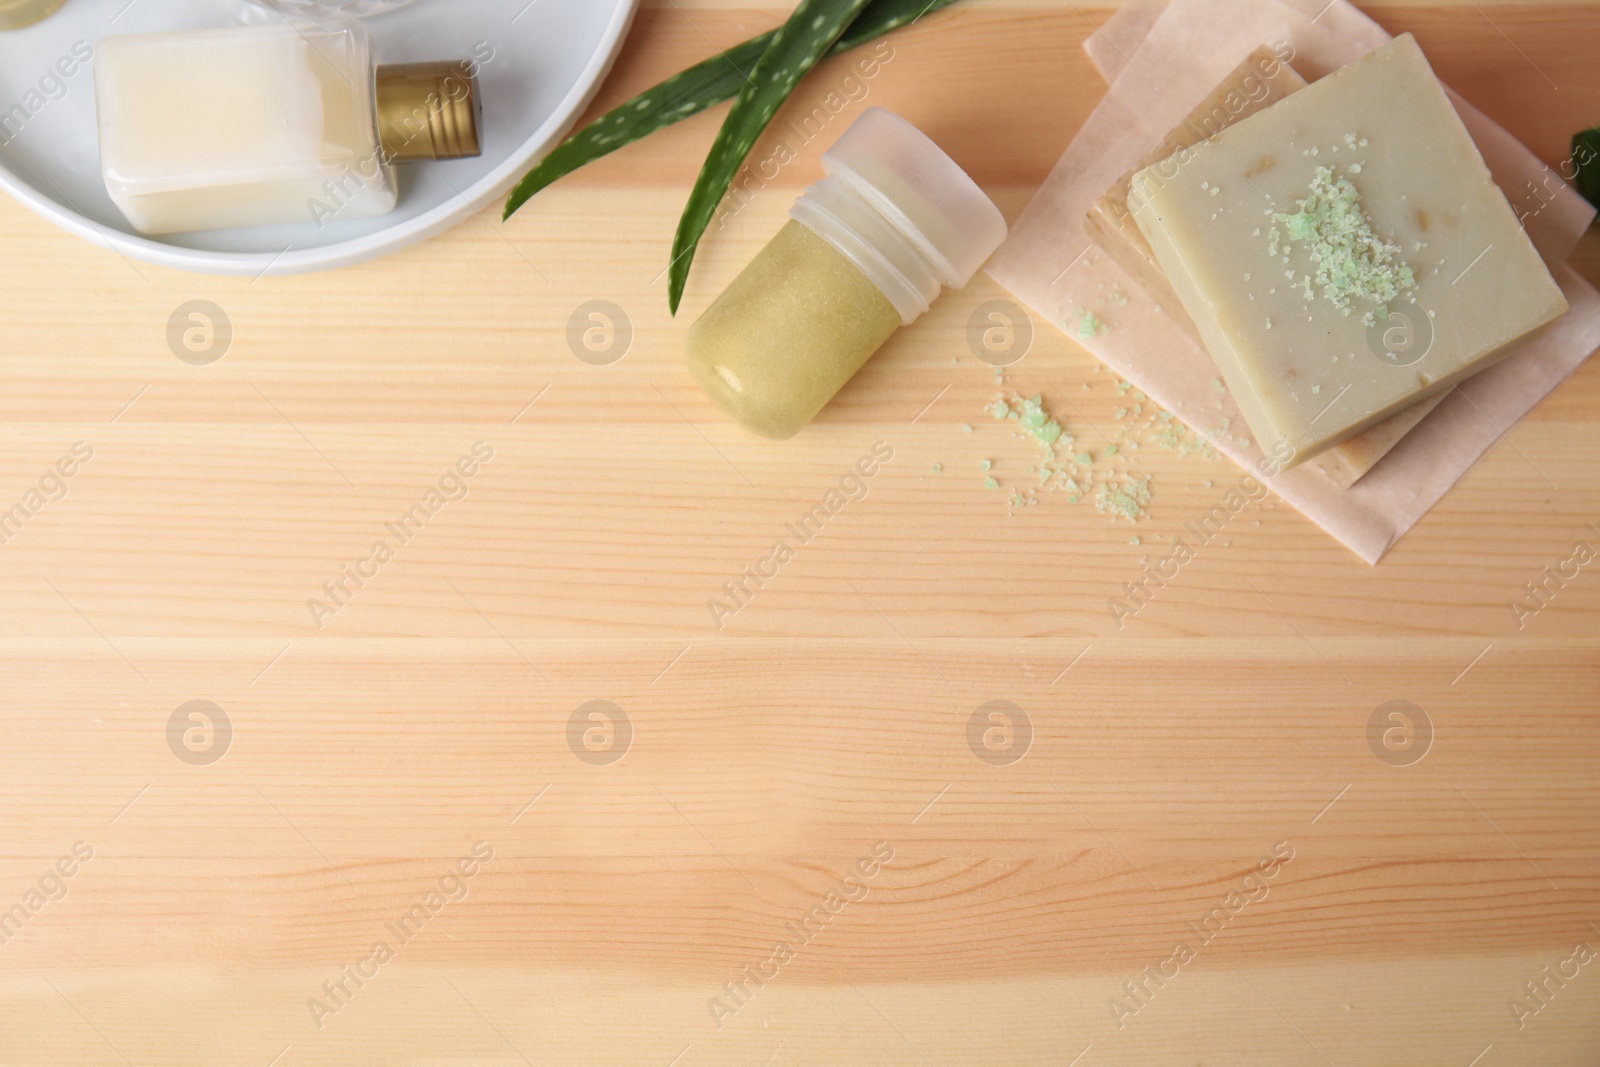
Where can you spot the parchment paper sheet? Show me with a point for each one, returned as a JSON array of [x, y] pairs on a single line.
[[1162, 58]]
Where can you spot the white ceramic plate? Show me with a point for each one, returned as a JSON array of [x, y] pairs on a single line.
[[549, 57]]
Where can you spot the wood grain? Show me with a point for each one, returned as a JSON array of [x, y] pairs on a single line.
[[1167, 755]]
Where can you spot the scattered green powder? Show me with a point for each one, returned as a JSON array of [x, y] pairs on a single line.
[[1089, 325], [1352, 261], [1118, 298], [966, 427], [1031, 414], [1037, 421], [1118, 493], [1033, 422], [1126, 500], [1176, 437], [1161, 428], [938, 468]]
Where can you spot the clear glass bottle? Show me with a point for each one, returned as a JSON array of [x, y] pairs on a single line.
[[866, 251], [15, 14], [276, 123]]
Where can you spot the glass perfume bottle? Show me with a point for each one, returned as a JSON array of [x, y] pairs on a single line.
[[866, 251], [276, 123], [15, 14]]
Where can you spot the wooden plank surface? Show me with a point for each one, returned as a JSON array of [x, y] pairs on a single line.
[[1155, 765]]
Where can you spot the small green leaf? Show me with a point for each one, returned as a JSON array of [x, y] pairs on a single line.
[[1586, 160], [794, 50], [692, 91]]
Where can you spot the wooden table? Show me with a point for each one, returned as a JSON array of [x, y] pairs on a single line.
[[640, 863]]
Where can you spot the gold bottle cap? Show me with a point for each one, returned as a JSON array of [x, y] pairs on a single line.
[[15, 14], [428, 111]]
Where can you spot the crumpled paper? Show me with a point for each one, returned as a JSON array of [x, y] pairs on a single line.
[[1162, 57]]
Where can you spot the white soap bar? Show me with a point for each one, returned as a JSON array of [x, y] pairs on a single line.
[[245, 126], [1345, 253]]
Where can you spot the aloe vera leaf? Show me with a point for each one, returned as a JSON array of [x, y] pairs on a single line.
[[692, 91], [881, 16], [1586, 161], [794, 50]]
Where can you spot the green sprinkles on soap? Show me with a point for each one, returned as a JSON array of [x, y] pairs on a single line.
[[1353, 262]]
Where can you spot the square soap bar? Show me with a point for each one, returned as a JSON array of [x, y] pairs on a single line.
[[1345, 253], [1254, 85], [1353, 457]]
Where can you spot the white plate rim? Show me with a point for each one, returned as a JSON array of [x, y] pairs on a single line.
[[477, 196]]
